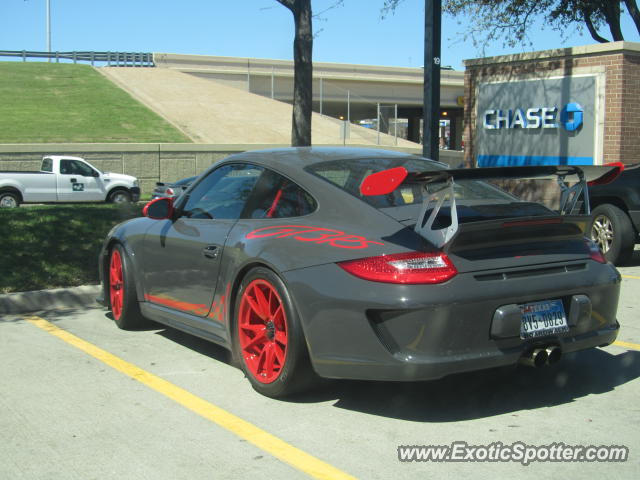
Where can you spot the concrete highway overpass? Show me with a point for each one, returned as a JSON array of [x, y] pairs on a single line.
[[339, 90]]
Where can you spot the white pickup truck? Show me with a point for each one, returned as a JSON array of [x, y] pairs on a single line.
[[66, 179]]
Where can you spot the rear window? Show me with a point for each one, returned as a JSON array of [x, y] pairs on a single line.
[[349, 174], [47, 165]]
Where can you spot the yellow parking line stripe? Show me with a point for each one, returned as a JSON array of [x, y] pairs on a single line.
[[630, 276], [263, 440], [633, 346]]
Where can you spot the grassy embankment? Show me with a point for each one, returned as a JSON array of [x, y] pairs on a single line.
[[67, 103]]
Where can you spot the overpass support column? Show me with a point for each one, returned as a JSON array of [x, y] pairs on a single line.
[[456, 131], [413, 130], [383, 117]]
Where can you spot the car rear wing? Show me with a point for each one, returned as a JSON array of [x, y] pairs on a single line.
[[386, 181]]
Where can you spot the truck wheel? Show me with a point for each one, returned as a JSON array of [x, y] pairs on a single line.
[[611, 229], [9, 200], [119, 196]]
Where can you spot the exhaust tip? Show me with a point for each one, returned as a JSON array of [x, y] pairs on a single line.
[[535, 358], [540, 358], [553, 355]]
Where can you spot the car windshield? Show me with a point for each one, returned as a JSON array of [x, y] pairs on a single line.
[[349, 174]]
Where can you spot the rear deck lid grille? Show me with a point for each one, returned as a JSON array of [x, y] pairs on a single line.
[[530, 272]]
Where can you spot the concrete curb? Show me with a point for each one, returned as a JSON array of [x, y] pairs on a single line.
[[23, 302]]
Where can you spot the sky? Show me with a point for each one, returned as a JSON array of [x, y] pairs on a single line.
[[351, 33]]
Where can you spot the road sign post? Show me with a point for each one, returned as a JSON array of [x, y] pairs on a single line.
[[432, 61]]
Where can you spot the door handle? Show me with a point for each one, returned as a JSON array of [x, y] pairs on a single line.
[[73, 180], [210, 251]]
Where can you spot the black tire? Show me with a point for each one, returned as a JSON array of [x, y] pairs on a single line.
[[292, 375], [119, 196], [122, 291], [611, 228], [9, 200]]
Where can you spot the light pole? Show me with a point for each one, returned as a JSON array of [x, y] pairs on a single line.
[[49, 26], [431, 102]]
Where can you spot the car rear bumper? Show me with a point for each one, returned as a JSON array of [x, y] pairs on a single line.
[[371, 331], [426, 367], [431, 367]]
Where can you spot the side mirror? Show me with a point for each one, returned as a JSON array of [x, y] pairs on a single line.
[[95, 174], [159, 209]]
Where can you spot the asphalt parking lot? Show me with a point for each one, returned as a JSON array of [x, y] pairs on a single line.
[[81, 399]]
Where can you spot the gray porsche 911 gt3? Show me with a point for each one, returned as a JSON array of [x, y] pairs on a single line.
[[366, 264]]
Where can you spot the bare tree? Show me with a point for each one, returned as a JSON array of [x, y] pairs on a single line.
[[303, 71]]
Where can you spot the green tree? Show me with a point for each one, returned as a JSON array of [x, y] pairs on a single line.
[[511, 19], [303, 71]]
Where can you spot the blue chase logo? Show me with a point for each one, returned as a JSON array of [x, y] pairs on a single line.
[[571, 118]]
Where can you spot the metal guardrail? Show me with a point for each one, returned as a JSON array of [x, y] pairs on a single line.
[[111, 59]]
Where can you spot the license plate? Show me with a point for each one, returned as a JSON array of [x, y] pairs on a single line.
[[540, 319]]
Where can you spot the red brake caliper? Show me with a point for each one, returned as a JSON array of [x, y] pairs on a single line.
[[116, 284]]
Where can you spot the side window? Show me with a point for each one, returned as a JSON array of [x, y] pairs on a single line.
[[278, 197], [79, 168], [66, 168], [74, 167], [47, 165], [223, 193]]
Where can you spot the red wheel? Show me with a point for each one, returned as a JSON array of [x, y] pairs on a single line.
[[268, 339], [122, 291], [116, 284], [262, 331]]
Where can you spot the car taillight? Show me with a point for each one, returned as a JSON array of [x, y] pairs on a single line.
[[169, 191], [406, 268], [595, 253]]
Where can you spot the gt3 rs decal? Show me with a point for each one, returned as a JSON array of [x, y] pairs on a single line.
[[318, 235]]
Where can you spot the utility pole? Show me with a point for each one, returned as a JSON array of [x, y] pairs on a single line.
[[432, 61], [49, 26]]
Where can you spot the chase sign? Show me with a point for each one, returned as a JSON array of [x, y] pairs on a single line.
[[548, 121], [571, 118]]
